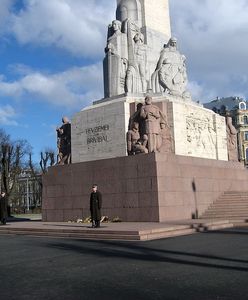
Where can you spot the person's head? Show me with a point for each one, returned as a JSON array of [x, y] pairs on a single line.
[[65, 120], [3, 194], [173, 42], [139, 106], [148, 100], [94, 187], [139, 37], [116, 25], [136, 125]]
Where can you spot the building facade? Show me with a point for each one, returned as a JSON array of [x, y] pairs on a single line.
[[27, 194], [238, 108]]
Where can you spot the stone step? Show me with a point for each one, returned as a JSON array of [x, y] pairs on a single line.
[[235, 193], [230, 205], [210, 223], [226, 209], [72, 235], [167, 234], [224, 216], [233, 200], [239, 223], [215, 227], [103, 234], [228, 212], [144, 235]]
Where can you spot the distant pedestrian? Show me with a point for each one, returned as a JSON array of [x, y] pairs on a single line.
[[3, 208], [95, 206]]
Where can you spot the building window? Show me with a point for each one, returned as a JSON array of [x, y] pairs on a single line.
[[242, 106], [245, 120], [246, 154], [246, 135]]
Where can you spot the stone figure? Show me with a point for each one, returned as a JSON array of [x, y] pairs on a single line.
[[152, 119], [64, 142], [231, 139], [170, 74], [126, 53], [165, 139], [95, 206], [115, 61], [136, 72], [136, 145]]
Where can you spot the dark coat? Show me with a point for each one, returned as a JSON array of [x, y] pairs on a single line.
[[95, 205], [3, 208]]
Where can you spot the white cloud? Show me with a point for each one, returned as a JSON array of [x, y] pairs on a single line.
[[213, 35], [7, 115], [5, 6], [73, 88], [76, 26]]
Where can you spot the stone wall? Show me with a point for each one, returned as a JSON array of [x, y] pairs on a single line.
[[151, 188], [99, 131]]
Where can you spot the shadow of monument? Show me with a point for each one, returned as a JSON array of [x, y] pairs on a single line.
[[131, 251]]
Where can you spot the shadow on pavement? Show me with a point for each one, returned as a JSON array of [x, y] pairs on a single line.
[[138, 252], [20, 219]]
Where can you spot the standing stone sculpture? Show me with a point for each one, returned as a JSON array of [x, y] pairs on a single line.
[[136, 72], [115, 61], [170, 74], [231, 139], [149, 131], [165, 139], [64, 142], [152, 119]]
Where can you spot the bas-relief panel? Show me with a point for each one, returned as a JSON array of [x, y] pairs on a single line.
[[198, 132], [201, 134]]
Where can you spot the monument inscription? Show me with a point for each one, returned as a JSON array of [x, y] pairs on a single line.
[[97, 134]]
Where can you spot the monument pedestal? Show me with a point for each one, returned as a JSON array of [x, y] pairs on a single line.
[[153, 187], [99, 131], [142, 188]]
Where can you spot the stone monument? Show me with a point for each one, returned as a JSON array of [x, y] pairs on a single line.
[[64, 142], [146, 141], [141, 58]]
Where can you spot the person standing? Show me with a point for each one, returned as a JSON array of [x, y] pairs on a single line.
[[3, 208], [95, 206]]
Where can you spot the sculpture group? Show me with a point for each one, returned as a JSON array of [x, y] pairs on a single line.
[[148, 130], [126, 68], [170, 74]]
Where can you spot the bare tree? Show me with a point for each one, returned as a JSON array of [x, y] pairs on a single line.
[[47, 159], [12, 161]]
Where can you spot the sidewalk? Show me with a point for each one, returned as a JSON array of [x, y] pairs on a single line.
[[114, 231]]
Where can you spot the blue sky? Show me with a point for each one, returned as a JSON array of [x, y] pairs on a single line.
[[51, 55]]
